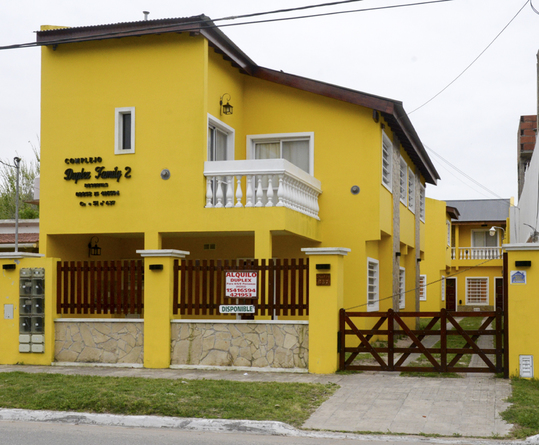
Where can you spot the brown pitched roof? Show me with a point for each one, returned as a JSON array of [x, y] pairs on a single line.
[[392, 110]]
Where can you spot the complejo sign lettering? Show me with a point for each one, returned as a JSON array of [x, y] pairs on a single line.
[[241, 284], [237, 309]]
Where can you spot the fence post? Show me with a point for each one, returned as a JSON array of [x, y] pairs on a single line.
[[158, 292], [326, 278], [39, 344]]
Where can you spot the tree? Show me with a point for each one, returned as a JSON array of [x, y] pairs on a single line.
[[29, 170]]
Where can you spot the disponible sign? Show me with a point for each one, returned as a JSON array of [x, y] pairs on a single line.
[[237, 309], [241, 284]]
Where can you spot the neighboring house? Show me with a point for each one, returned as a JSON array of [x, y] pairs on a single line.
[[476, 253], [527, 133], [141, 149], [28, 236], [436, 265]]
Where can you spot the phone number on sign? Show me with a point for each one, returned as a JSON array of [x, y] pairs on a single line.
[[241, 295]]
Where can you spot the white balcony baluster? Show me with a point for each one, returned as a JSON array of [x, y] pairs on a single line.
[[239, 192], [269, 183]]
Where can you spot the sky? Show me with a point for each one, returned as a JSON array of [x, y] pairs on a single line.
[[404, 53]]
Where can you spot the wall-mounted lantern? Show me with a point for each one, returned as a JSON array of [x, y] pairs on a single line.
[[93, 248], [226, 108]]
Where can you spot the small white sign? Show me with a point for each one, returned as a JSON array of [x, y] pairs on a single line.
[[241, 284], [237, 309], [526, 366], [518, 277]]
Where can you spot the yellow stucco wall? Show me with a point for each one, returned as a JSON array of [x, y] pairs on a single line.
[[523, 307]]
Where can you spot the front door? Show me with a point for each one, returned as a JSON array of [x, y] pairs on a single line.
[[451, 294]]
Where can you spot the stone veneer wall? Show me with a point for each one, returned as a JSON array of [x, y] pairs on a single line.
[[240, 343], [99, 341]]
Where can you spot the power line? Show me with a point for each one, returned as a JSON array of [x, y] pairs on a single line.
[[198, 22], [462, 173], [473, 61], [425, 285]]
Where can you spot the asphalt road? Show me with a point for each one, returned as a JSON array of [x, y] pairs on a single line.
[[40, 433]]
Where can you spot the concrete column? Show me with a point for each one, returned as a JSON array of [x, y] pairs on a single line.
[[11, 264], [152, 241], [325, 302], [263, 244], [158, 293]]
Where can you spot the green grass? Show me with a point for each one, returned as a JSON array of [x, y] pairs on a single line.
[[292, 403], [524, 411]]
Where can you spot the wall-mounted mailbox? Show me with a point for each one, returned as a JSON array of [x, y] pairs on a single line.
[[9, 266], [32, 310], [323, 266], [156, 267], [523, 263]]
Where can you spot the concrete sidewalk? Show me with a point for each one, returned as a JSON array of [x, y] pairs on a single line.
[[368, 402]]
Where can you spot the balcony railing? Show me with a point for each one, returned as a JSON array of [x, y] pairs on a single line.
[[268, 183], [476, 253]]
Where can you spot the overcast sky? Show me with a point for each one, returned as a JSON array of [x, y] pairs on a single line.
[[408, 54]]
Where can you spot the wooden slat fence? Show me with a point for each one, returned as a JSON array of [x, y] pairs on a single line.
[[95, 287], [283, 286]]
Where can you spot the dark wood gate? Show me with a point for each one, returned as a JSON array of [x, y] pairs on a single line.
[[388, 345]]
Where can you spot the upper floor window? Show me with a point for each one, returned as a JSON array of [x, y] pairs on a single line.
[[403, 180], [296, 148], [448, 224], [124, 130], [411, 190], [482, 238], [220, 140], [387, 155]]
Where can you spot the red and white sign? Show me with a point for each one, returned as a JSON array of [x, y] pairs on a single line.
[[241, 284]]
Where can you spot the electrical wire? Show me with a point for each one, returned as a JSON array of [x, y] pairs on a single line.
[[473, 61], [425, 285], [198, 22], [462, 173]]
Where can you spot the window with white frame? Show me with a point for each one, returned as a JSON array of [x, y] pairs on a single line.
[[423, 287], [220, 140], [124, 130], [296, 148], [403, 181], [422, 202], [411, 190], [373, 285], [477, 290], [220, 148], [402, 288], [443, 288], [448, 223], [482, 238], [387, 155]]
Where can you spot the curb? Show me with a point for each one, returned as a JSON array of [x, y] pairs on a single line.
[[269, 428]]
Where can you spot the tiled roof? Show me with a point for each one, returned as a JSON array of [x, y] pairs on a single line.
[[9, 238]]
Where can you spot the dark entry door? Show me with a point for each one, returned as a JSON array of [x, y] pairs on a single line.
[[451, 294]]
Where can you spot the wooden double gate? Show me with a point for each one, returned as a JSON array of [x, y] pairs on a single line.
[[390, 343]]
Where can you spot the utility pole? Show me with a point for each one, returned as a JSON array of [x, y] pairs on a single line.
[[17, 162]]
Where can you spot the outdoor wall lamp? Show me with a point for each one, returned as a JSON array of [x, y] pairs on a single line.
[[226, 108], [94, 250], [492, 231]]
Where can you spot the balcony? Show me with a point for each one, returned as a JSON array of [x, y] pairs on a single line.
[[476, 253], [268, 183]]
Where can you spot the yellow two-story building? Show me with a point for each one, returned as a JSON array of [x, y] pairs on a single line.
[[163, 135]]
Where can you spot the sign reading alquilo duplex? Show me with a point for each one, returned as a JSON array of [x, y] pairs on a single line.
[[241, 284], [98, 191]]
